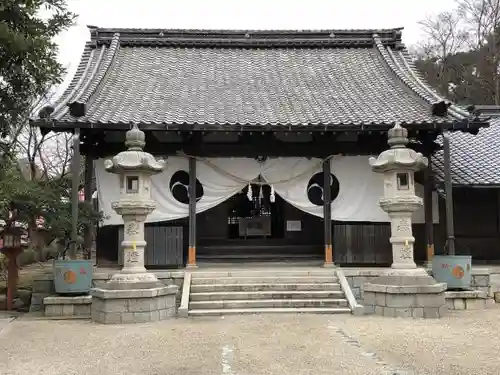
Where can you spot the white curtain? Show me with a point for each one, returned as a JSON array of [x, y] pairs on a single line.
[[221, 178], [359, 188]]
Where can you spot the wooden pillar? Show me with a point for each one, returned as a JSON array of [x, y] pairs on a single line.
[[327, 214], [448, 187], [87, 190], [75, 182], [192, 214], [428, 209]]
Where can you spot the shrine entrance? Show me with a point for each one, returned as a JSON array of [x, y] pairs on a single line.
[[257, 225], [255, 212]]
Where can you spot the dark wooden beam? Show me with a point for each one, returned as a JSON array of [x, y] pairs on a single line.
[[448, 188], [428, 207], [75, 184], [250, 145], [87, 190], [327, 214], [192, 214]]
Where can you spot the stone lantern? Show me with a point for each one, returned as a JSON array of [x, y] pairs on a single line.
[[134, 168], [133, 294], [402, 290], [398, 165]]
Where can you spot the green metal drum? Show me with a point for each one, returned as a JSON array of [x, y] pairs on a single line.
[[72, 276], [454, 270]]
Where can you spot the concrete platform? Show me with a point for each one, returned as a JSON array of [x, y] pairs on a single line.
[[468, 300], [67, 306]]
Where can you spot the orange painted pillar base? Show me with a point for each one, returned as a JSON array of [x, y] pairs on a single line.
[[328, 256], [191, 263], [430, 253]]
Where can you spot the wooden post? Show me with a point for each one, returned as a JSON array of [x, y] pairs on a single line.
[[12, 275], [327, 214], [192, 214], [428, 209], [75, 182], [448, 187], [87, 190]]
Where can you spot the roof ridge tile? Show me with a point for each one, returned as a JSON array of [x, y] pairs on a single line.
[[80, 90], [115, 45], [459, 113], [392, 64], [248, 38], [77, 80]]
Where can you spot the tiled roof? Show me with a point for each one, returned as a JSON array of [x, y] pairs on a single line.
[[474, 159], [205, 79]]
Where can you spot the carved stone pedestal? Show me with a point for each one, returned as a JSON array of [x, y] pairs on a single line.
[[133, 305], [405, 294]]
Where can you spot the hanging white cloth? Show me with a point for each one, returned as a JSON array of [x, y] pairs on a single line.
[[359, 188], [220, 178]]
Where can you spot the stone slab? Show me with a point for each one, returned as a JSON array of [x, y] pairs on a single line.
[[466, 294], [186, 290], [67, 300], [134, 293], [355, 307], [404, 289]]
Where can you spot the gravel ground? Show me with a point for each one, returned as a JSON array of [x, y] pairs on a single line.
[[464, 343]]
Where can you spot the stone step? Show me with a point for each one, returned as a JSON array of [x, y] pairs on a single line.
[[275, 310], [268, 279], [322, 272], [205, 288], [267, 294], [267, 303]]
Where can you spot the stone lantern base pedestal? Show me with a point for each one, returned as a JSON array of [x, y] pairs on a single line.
[[405, 293], [133, 302]]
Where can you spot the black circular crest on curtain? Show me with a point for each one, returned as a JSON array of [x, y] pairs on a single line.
[[179, 187], [315, 189]]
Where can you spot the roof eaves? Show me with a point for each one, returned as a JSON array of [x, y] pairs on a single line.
[[337, 127]]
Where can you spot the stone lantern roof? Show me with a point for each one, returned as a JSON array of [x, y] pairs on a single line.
[[134, 158], [398, 156]]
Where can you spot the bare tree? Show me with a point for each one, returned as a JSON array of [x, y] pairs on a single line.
[[44, 155], [482, 19], [445, 36]]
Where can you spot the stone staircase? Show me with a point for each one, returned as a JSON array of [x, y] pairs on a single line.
[[312, 290]]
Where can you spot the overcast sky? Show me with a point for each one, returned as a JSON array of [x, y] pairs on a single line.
[[244, 14]]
